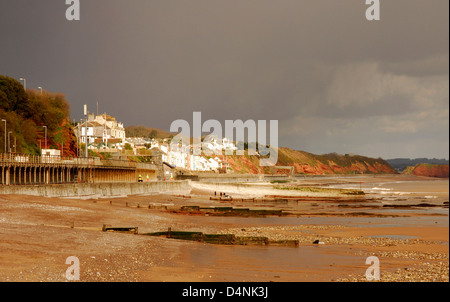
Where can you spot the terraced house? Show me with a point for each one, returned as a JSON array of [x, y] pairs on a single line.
[[101, 130]]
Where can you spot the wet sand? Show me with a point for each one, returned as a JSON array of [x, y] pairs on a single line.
[[37, 234]]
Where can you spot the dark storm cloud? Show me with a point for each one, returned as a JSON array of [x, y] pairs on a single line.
[[329, 75]]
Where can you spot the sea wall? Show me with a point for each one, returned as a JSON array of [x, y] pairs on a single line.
[[100, 189]]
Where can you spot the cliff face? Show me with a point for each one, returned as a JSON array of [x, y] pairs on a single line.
[[429, 170], [64, 139], [308, 163]]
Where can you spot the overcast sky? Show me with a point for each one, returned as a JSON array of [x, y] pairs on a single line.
[[334, 81]]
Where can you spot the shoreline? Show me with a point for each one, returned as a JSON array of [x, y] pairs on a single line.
[[38, 233]]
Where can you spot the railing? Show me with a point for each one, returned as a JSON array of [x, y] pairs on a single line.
[[17, 158]]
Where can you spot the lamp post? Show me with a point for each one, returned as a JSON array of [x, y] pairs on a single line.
[[45, 136], [9, 145], [86, 154], [24, 83], [78, 138], [40, 88], [3, 120]]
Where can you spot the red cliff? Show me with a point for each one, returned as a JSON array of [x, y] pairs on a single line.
[[308, 163], [429, 170]]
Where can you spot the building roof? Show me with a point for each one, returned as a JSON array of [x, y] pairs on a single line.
[[109, 140], [93, 124]]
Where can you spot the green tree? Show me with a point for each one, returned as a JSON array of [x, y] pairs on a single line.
[[13, 97], [26, 112]]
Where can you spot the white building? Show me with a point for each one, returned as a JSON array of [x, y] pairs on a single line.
[[50, 155], [50, 152], [80, 132], [100, 129], [178, 155], [111, 128], [219, 146]]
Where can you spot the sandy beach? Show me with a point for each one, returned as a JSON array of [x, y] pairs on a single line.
[[402, 220]]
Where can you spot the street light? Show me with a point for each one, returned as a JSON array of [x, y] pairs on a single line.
[[3, 120], [9, 145], [45, 136], [40, 88], [86, 154], [24, 83], [80, 137]]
